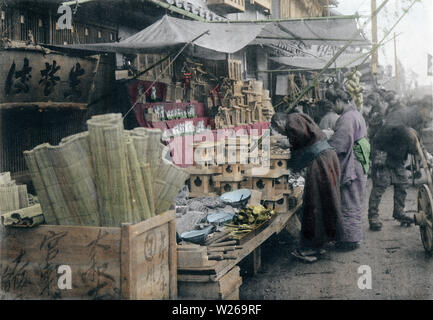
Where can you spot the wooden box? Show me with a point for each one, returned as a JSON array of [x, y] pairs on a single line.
[[201, 184], [279, 203], [225, 287], [134, 261]]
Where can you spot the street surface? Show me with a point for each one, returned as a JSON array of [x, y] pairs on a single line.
[[400, 268]]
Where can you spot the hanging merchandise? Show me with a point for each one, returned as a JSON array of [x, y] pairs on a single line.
[[353, 86], [153, 94]]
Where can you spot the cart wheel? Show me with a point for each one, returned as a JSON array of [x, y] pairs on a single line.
[[424, 217]]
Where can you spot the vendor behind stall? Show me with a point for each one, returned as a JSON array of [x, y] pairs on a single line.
[[321, 219]]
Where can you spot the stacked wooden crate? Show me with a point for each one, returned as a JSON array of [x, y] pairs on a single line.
[[246, 102]]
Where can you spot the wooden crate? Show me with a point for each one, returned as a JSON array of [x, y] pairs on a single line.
[[134, 261], [163, 71], [235, 69], [224, 288]]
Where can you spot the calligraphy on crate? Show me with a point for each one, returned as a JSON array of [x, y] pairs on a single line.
[[32, 76]]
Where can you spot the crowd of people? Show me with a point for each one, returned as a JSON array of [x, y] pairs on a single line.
[[339, 150]]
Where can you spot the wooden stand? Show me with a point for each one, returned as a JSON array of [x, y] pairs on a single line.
[[220, 279]]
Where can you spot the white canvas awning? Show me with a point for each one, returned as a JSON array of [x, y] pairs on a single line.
[[346, 60], [230, 37]]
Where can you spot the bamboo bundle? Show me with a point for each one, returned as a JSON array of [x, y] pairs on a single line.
[[5, 178], [38, 182], [106, 137], [106, 176], [74, 173], [140, 204], [140, 143], [168, 185], [79, 174], [9, 199]]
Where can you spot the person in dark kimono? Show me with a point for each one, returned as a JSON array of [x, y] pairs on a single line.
[[353, 151], [321, 218]]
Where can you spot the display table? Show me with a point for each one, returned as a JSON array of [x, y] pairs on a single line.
[[220, 279]]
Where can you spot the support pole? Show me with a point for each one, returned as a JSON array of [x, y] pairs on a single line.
[[375, 56], [397, 85]]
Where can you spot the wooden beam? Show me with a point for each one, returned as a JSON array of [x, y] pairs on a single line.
[[42, 105]]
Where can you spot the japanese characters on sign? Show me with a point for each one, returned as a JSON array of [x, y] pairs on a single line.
[[34, 77]]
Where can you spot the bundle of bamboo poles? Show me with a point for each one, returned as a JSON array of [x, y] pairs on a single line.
[[105, 176], [12, 196]]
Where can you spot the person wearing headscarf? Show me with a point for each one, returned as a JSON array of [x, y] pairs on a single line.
[[353, 151], [321, 218]]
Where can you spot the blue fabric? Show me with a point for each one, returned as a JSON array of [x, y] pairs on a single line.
[[303, 157]]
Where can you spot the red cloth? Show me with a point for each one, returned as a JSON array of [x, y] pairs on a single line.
[[182, 150], [169, 124]]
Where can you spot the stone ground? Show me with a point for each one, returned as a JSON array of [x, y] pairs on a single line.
[[400, 267]]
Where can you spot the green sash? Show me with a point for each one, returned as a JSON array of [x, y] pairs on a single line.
[[362, 153]]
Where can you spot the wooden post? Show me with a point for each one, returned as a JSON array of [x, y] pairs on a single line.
[[397, 86], [172, 259], [375, 56]]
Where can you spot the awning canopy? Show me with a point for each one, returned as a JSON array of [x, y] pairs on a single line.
[[346, 60], [226, 37], [169, 32], [333, 31]]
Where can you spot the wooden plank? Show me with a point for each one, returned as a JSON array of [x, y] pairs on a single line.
[[172, 259], [29, 261], [43, 105], [151, 272], [155, 221], [126, 261]]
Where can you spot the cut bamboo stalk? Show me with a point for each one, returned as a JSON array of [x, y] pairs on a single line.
[[223, 244], [221, 249]]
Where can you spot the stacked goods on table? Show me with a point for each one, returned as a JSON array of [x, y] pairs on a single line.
[[248, 219], [105, 176], [267, 180], [245, 102]]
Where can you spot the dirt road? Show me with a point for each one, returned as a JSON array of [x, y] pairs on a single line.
[[400, 269]]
